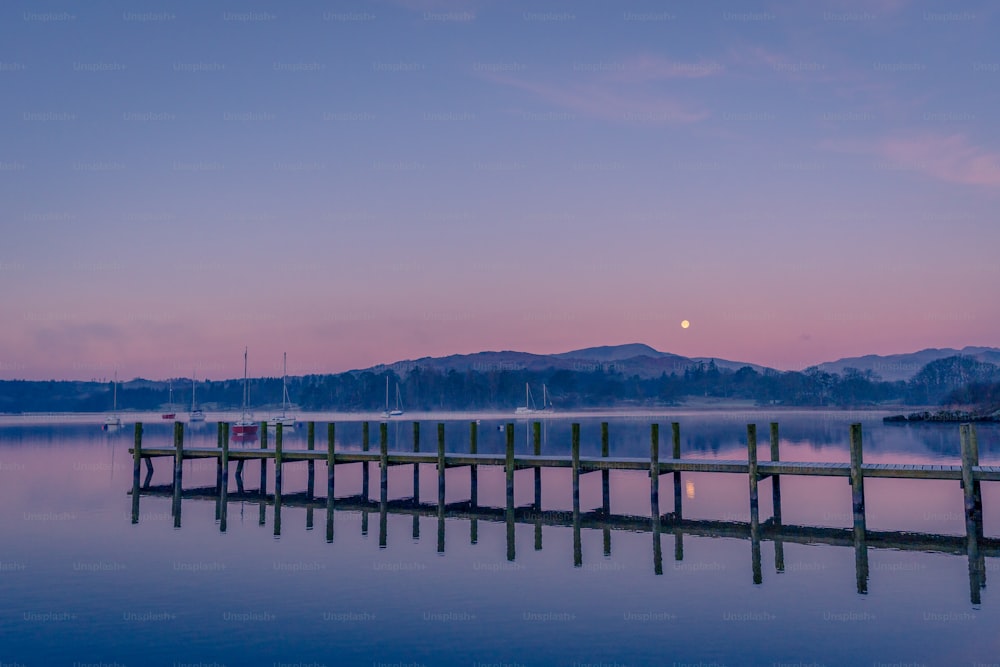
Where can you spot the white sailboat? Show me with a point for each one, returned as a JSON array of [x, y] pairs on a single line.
[[399, 408], [529, 404], [113, 421], [547, 406], [284, 419], [197, 414], [246, 428], [169, 414]]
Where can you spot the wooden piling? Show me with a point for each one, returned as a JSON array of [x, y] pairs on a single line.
[[364, 469], [675, 433], [576, 471], [606, 482], [753, 474], [536, 449], [654, 473], [136, 468], [416, 468], [178, 453], [278, 440], [509, 466], [775, 479], [440, 468], [857, 478], [263, 461], [973, 514], [224, 486], [331, 466], [383, 463], [310, 465], [474, 470], [577, 541]]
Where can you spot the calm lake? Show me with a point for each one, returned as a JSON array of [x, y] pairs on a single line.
[[82, 584]]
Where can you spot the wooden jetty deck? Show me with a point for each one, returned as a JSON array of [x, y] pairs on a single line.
[[969, 474]]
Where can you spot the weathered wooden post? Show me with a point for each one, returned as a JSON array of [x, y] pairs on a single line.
[[973, 514], [538, 531], [678, 545], [278, 464], [218, 461], [383, 526], [310, 464], [775, 479], [654, 473], [675, 433], [383, 462], [440, 470], [536, 449], [474, 470], [577, 541], [857, 478], [754, 476], [416, 468], [331, 466], [576, 471], [224, 486], [606, 484], [657, 550], [364, 472], [509, 469], [178, 469], [263, 460], [754, 503], [510, 466], [136, 466]]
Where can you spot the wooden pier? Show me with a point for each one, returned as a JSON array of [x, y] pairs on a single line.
[[969, 474]]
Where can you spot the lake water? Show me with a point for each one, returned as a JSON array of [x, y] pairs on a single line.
[[81, 584]]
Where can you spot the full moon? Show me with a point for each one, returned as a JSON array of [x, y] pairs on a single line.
[[685, 324]]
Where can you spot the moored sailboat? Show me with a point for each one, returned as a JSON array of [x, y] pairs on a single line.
[[286, 420], [246, 428], [113, 421], [197, 414]]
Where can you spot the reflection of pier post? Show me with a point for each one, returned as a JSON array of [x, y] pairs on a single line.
[[364, 465], [310, 464], [331, 466], [136, 466], [178, 471], [218, 463], [754, 504], [278, 439], [779, 545], [263, 461], [675, 432], [858, 510], [973, 511], [536, 432]]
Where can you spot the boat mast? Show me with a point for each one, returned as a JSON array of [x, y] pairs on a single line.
[[115, 394], [284, 388], [246, 386], [387, 394]]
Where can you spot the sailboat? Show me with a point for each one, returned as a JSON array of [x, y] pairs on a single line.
[[284, 419], [170, 402], [399, 403], [546, 403], [528, 407], [197, 414], [246, 427], [113, 421]]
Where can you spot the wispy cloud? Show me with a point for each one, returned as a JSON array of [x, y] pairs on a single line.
[[952, 158], [628, 90]]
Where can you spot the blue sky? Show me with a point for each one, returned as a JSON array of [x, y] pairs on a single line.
[[364, 182]]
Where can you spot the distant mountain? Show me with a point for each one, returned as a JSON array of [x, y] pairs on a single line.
[[629, 359], [895, 367]]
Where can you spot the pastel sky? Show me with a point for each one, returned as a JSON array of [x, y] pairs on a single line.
[[357, 183]]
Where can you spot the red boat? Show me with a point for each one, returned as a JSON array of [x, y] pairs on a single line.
[[168, 415], [246, 428]]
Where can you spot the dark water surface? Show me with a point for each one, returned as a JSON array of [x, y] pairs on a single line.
[[80, 584]]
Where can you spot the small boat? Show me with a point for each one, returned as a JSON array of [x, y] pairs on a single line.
[[246, 428], [399, 407], [170, 402], [113, 421], [197, 414], [284, 419], [528, 407]]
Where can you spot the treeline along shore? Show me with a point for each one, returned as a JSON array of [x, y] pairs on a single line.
[[954, 380]]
